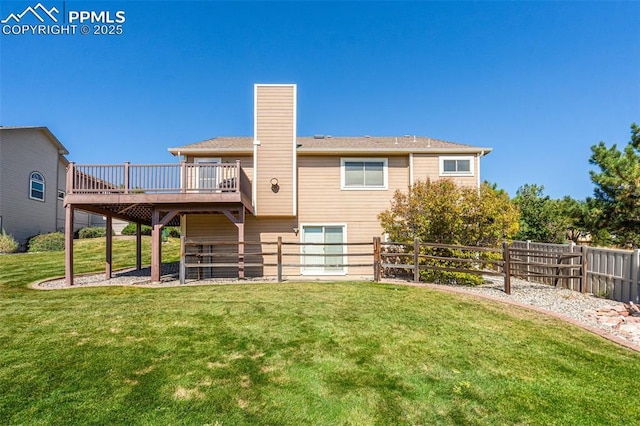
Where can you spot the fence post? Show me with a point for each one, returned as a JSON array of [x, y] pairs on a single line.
[[507, 267], [279, 260], [183, 259], [416, 260], [574, 248], [584, 275], [635, 264], [528, 267], [376, 259]]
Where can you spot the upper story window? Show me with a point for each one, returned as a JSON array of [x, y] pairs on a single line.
[[363, 173], [36, 186], [456, 166]]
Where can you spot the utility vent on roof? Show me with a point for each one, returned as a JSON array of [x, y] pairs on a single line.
[[318, 136]]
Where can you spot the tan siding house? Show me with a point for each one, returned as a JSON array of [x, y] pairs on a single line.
[[321, 195], [317, 191]]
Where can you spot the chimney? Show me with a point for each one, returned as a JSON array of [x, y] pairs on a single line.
[[274, 150]]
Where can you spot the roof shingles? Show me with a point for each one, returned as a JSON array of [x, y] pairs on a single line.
[[359, 144]]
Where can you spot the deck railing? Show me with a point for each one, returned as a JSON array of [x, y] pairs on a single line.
[[157, 178]]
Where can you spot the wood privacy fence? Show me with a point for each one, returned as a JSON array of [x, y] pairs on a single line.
[[609, 273]]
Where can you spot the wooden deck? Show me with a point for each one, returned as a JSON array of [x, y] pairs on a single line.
[[131, 192], [156, 195]]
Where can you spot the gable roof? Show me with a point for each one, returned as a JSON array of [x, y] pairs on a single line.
[[337, 145], [61, 149]]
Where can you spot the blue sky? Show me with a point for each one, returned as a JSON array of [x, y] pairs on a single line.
[[540, 82]]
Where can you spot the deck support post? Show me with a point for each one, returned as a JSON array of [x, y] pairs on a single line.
[[156, 245], [138, 246], [68, 244], [109, 248], [239, 222]]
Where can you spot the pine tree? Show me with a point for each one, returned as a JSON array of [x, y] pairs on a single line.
[[617, 188]]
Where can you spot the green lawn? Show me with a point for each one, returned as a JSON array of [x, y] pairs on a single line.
[[16, 270], [347, 353]]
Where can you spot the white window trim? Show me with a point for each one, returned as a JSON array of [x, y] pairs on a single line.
[[470, 158], [61, 192], [44, 187], [385, 174], [345, 269]]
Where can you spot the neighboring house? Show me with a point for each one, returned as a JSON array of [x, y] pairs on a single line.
[[32, 183], [319, 189]]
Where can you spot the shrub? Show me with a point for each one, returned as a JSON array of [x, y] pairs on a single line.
[[172, 231], [446, 277], [167, 231], [8, 244], [92, 232], [130, 229], [47, 242], [441, 211]]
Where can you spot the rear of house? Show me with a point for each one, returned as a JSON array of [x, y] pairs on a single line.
[[234, 197], [319, 190]]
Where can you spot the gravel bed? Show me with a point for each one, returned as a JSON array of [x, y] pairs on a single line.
[[132, 277], [567, 303]]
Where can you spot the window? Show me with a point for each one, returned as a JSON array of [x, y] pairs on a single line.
[[325, 253], [364, 173], [456, 166], [36, 186], [61, 195]]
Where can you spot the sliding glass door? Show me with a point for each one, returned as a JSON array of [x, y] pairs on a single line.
[[318, 257]]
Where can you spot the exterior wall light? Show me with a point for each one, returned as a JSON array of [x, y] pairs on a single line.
[[274, 185]]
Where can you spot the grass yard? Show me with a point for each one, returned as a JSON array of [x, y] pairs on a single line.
[[16, 270], [303, 353]]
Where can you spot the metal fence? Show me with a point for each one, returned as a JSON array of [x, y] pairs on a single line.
[[611, 273]]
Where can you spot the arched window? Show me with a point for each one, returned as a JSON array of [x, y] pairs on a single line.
[[36, 186]]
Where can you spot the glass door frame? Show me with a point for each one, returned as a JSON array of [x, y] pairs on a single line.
[[304, 270]]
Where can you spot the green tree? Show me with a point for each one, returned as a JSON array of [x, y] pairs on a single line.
[[593, 224], [440, 211], [617, 188], [541, 218], [574, 217]]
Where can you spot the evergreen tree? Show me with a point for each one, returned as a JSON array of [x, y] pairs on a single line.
[[617, 189], [541, 218]]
